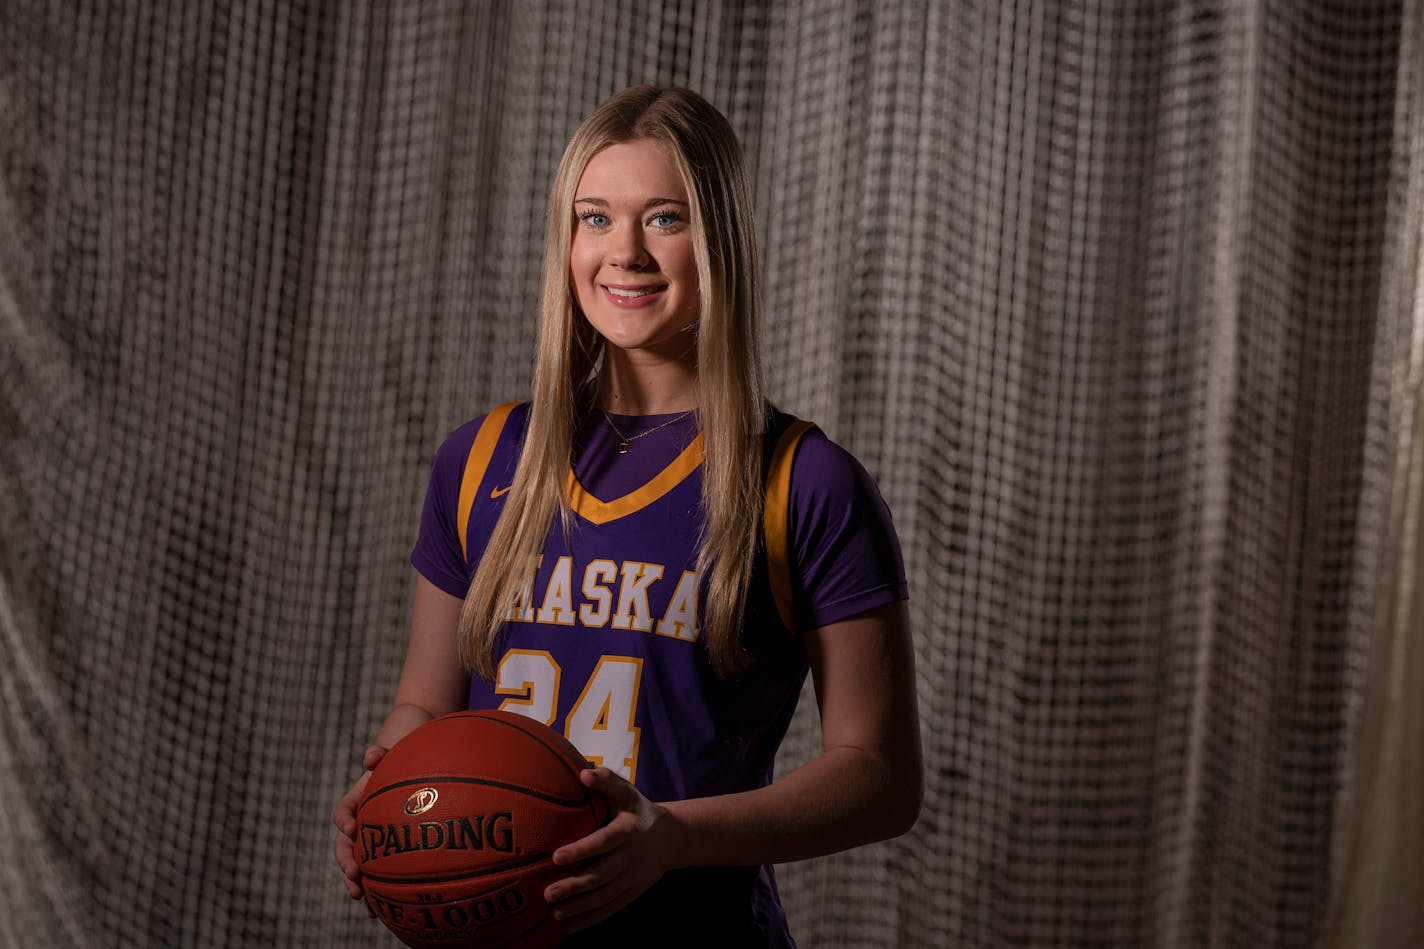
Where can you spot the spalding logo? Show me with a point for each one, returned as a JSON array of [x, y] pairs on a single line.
[[421, 801]]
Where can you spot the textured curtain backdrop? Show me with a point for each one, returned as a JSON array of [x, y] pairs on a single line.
[[1121, 303]]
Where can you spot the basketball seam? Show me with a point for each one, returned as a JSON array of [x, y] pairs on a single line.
[[552, 749], [486, 782], [490, 891], [466, 875]]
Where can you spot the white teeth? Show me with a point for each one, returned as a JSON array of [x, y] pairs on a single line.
[[620, 292]]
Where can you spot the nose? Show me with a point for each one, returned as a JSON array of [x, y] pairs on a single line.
[[628, 249]]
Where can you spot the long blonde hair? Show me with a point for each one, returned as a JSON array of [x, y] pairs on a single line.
[[732, 410]]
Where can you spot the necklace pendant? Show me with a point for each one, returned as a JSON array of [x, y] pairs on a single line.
[[623, 447]]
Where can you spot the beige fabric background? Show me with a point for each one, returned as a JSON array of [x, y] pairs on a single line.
[[1120, 302]]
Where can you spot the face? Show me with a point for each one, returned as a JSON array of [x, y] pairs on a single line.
[[631, 262]]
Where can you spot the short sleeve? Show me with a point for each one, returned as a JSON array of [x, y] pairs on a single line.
[[846, 554], [437, 554]]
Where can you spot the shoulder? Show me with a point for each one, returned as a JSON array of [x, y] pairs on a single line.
[[822, 465], [814, 462], [455, 448], [842, 552]]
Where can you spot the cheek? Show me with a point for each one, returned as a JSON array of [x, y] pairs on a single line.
[[579, 270], [581, 274], [681, 263]]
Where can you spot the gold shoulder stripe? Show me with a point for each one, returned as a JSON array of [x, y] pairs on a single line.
[[595, 511], [485, 440], [776, 515]]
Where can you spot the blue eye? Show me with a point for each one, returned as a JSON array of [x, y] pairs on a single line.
[[593, 218], [666, 219]]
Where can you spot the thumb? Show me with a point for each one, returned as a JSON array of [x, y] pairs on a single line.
[[620, 793], [372, 756]]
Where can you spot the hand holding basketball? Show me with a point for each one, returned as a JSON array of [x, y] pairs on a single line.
[[617, 863], [344, 817], [457, 825]]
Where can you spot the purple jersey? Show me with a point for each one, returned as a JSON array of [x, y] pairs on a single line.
[[605, 645]]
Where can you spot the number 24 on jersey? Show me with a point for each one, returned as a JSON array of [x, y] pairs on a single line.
[[600, 722]]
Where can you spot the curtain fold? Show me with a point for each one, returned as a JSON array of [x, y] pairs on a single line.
[[1121, 304]]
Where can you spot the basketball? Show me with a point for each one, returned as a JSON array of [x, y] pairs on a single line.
[[458, 825]]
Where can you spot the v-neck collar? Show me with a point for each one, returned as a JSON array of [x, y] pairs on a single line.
[[595, 511]]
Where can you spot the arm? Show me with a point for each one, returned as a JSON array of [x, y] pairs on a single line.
[[432, 683], [865, 785]]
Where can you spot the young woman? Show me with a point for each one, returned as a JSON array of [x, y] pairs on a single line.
[[694, 552]]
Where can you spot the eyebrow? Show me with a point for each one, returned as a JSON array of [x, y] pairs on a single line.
[[654, 201]]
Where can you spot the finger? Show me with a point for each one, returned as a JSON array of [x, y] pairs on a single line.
[[594, 908], [346, 858], [344, 814], [590, 878], [585, 848], [618, 791], [372, 756], [606, 839], [612, 794], [344, 817], [350, 872]]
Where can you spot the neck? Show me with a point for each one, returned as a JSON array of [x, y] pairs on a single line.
[[653, 388]]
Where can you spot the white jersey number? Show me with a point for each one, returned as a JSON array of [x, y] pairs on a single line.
[[531, 677], [600, 723]]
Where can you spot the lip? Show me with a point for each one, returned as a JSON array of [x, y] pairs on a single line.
[[655, 292]]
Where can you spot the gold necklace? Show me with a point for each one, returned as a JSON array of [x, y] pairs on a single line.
[[625, 440]]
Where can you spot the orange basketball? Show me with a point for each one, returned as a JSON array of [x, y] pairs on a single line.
[[457, 826]]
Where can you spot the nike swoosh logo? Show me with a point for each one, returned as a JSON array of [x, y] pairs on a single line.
[[500, 492]]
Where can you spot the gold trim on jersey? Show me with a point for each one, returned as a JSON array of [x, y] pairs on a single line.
[[480, 451], [776, 511], [591, 509], [776, 516]]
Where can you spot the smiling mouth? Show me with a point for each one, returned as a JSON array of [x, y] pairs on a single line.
[[633, 293]]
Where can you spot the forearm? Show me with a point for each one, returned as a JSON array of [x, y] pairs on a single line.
[[432, 681], [864, 786], [867, 783], [843, 798], [403, 719]]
